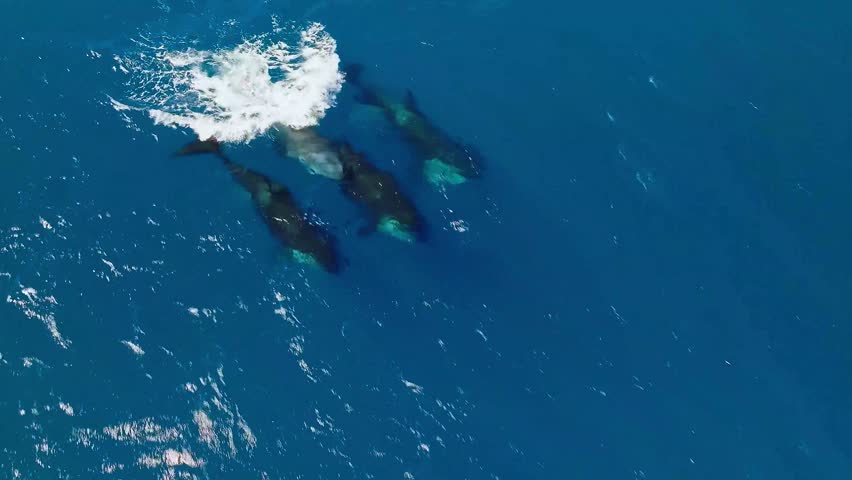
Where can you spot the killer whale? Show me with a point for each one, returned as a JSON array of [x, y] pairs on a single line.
[[389, 210], [445, 161], [307, 243]]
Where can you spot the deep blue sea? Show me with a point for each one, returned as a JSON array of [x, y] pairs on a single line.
[[649, 280]]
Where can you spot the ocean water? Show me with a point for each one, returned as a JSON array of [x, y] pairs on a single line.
[[648, 281]]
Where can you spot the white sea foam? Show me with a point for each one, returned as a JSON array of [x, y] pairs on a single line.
[[236, 94], [413, 386], [136, 349], [68, 409], [40, 307]]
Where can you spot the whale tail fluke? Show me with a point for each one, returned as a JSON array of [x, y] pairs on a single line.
[[200, 147], [411, 102]]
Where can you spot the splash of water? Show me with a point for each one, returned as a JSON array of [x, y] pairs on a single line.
[[236, 94]]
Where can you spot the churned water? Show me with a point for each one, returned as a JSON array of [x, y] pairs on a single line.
[[647, 277]]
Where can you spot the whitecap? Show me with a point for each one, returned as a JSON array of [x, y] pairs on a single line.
[[136, 349], [237, 93]]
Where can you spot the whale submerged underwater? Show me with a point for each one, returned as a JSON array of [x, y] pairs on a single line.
[[445, 161], [317, 153], [377, 192], [306, 243], [389, 210]]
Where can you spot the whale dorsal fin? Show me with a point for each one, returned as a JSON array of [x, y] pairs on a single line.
[[411, 102]]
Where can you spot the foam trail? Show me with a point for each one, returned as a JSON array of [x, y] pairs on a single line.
[[237, 94]]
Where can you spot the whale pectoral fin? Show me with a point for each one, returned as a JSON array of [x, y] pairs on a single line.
[[411, 102]]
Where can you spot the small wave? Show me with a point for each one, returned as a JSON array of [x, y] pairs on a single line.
[[136, 349], [236, 94], [40, 307]]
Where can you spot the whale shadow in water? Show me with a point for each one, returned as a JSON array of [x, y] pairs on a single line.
[[445, 161], [306, 242]]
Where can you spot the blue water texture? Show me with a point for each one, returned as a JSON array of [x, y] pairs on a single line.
[[649, 280]]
